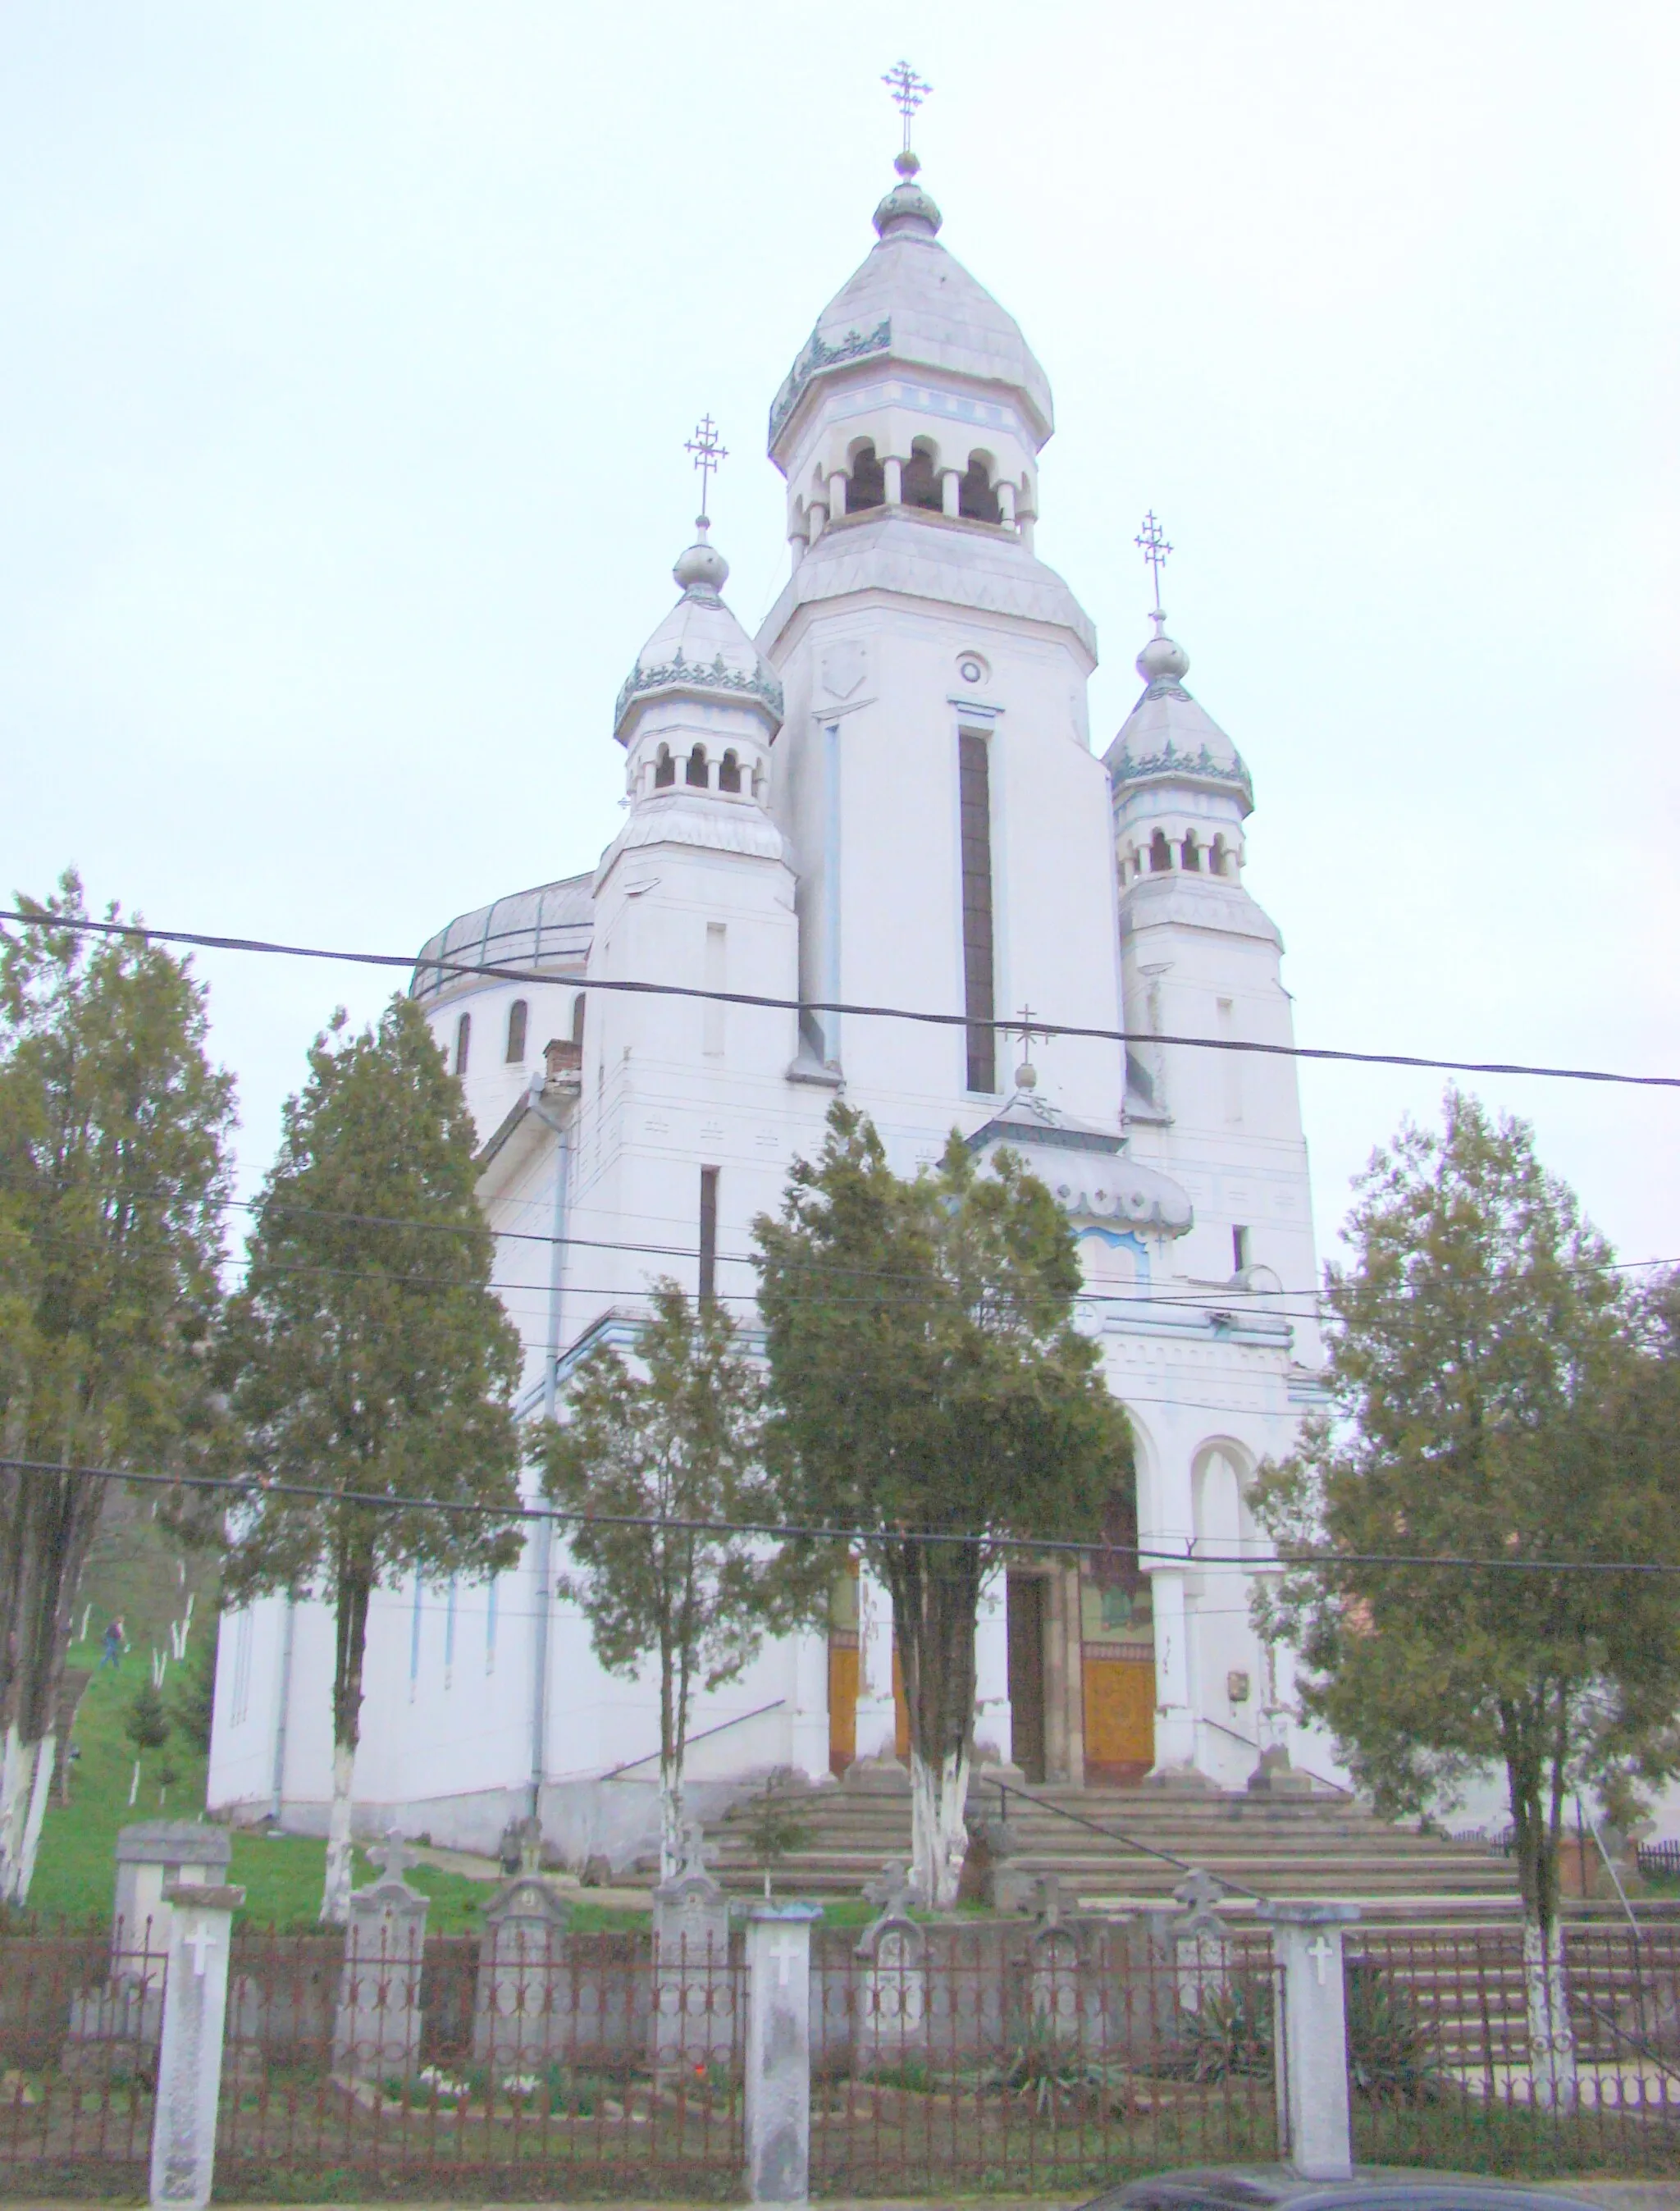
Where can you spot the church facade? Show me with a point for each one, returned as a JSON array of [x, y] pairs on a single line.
[[890, 797]]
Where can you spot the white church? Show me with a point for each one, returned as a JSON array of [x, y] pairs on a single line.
[[891, 796]]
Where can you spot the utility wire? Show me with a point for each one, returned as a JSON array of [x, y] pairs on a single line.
[[252, 1489], [85, 925]]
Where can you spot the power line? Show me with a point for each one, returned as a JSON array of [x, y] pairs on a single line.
[[85, 925], [253, 1488]]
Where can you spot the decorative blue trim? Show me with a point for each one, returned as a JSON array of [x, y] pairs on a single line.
[[680, 674], [1126, 1240], [1129, 767], [818, 354]]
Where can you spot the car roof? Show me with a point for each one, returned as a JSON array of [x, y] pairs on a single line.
[[1369, 2188]]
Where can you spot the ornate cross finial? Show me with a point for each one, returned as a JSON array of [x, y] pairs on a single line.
[[707, 451], [1151, 542], [909, 91], [1026, 1026]]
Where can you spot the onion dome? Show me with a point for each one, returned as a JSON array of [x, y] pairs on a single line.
[[700, 651], [914, 303], [1169, 737]]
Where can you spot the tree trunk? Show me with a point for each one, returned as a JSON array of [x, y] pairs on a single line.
[[938, 1826], [670, 1818], [41, 1795], [355, 1590], [1552, 2042], [17, 1778], [336, 1895]]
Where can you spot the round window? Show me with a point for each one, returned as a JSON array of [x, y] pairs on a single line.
[[971, 668]]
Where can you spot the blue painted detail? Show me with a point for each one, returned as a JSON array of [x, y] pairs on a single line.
[[1117, 1241]]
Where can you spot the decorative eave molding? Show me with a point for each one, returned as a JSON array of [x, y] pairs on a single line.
[[817, 355], [760, 688]]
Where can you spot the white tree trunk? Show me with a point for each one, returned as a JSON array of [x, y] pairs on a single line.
[[336, 1895], [40, 1791], [671, 1853], [938, 1827], [17, 1776], [1552, 2042]]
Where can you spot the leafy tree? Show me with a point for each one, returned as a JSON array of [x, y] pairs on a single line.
[[677, 1441], [193, 1709], [371, 1358], [112, 1175], [927, 1379], [1490, 1399]]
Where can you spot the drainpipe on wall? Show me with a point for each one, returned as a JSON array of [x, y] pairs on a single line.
[[545, 1528], [288, 1631]]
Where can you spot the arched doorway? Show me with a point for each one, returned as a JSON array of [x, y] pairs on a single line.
[[1117, 1653]]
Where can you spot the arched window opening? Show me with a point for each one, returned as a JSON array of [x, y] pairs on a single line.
[[577, 1019], [696, 772], [1216, 859], [920, 483], [1160, 853], [728, 773], [1189, 854], [664, 769], [976, 502], [517, 1014], [463, 1042], [866, 487]]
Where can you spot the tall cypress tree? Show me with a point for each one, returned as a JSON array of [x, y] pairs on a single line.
[[368, 1353]]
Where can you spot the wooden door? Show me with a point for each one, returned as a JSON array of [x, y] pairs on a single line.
[[1025, 1602], [841, 1698], [901, 1710], [1119, 1715]]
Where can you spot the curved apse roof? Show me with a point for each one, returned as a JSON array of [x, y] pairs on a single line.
[[547, 927]]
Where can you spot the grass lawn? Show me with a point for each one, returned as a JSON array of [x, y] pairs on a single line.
[[281, 1875]]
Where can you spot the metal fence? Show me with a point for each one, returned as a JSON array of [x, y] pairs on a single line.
[[1441, 2070], [1004, 2058]]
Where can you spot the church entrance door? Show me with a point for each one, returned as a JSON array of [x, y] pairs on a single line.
[[1118, 1716], [1025, 1600]]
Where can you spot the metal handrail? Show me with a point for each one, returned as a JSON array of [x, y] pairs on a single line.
[[1006, 1789], [1248, 1741], [739, 1720]]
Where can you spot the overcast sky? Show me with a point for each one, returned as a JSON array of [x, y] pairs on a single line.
[[350, 347]]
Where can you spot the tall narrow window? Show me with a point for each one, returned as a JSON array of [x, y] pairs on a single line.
[[517, 1015], [708, 1234], [490, 1625], [1240, 1249], [664, 769], [414, 1639], [696, 771], [975, 791], [577, 1019], [463, 1042]]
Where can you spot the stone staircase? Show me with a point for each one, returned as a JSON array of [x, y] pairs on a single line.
[[1279, 1845]]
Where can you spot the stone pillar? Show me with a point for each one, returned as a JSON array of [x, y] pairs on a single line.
[[815, 515], [1023, 525], [877, 1722], [949, 490], [808, 1749], [837, 495], [522, 2010], [993, 1730], [195, 2014], [1175, 1720], [152, 1856], [1006, 505], [892, 473], [778, 2051], [377, 2028], [1311, 2043]]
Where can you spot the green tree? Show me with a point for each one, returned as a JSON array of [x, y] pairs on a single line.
[[112, 1175], [146, 1724], [676, 1441], [926, 1380], [1489, 1399], [366, 1352]]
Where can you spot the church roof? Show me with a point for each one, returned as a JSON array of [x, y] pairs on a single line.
[[700, 649], [1169, 736], [548, 926], [913, 302], [1088, 1171]]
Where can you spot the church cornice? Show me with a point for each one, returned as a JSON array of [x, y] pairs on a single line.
[[817, 354], [703, 678]]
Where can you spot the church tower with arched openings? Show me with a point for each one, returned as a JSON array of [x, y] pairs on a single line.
[[935, 776]]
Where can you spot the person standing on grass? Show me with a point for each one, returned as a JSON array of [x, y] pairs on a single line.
[[115, 1642]]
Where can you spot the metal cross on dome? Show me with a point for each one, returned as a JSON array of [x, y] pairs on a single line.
[[909, 91], [1151, 542], [707, 451]]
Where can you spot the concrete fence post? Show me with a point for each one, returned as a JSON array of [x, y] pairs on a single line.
[[194, 2014], [778, 2051], [1310, 2043]]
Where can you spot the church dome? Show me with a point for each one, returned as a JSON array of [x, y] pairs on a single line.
[[1169, 736], [914, 303], [700, 651]]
